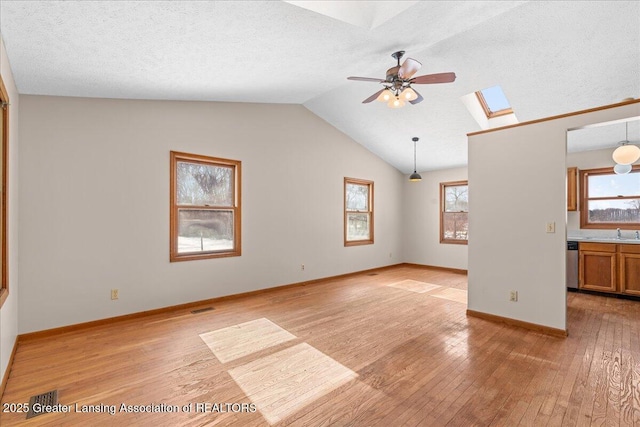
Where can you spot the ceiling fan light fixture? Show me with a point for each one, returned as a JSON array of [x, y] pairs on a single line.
[[408, 94], [622, 169], [626, 154], [385, 96], [396, 103], [398, 80]]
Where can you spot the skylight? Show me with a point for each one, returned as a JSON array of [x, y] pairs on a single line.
[[494, 102]]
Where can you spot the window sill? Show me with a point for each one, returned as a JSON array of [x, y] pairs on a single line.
[[359, 243], [454, 242], [193, 257]]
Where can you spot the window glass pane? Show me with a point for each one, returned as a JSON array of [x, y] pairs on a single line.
[[613, 185], [456, 198], [495, 99], [199, 184], [455, 225], [357, 197], [358, 226], [202, 230], [624, 211]]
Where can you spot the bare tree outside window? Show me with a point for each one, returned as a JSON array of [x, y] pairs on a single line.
[[454, 212], [358, 206], [205, 207], [610, 200]]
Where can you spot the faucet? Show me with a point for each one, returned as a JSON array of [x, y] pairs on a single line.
[[619, 234]]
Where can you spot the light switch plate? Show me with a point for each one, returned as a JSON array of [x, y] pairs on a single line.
[[551, 227]]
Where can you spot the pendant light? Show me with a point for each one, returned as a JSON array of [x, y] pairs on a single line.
[[626, 153], [622, 169], [415, 176]]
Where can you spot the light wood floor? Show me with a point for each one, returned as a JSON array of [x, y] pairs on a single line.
[[353, 351]]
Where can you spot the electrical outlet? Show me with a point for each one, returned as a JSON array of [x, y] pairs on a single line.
[[114, 294], [302, 267], [513, 296], [390, 254], [551, 227]]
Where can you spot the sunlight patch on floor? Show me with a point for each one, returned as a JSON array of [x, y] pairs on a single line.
[[284, 382], [451, 294], [415, 286], [240, 340]]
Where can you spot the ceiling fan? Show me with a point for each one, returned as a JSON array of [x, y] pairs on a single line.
[[397, 84]]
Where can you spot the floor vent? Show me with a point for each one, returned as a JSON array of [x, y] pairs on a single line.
[[42, 401], [372, 274], [201, 310]]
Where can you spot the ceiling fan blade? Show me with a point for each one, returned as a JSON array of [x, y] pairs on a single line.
[[373, 97], [365, 79], [409, 68], [434, 78], [418, 99]]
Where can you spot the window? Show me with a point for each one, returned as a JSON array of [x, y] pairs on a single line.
[[494, 102], [4, 144], [205, 207], [358, 212], [454, 212], [610, 200]]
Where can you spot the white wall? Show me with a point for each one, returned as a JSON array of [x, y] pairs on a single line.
[[516, 185], [95, 203], [421, 218], [9, 310]]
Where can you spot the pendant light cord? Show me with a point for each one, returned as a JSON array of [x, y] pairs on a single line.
[[626, 131]]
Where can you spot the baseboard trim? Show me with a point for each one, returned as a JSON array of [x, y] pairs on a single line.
[[561, 333], [186, 306], [5, 377], [435, 267]]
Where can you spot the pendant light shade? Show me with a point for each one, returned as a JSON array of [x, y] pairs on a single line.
[[626, 153], [622, 169], [415, 176]]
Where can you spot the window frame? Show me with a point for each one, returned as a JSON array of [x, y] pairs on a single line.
[[236, 165], [4, 110], [443, 187], [487, 111], [584, 200], [370, 212]]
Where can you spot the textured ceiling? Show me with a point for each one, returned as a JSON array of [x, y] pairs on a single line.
[[549, 57]]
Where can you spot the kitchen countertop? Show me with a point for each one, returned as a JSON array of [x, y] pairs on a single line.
[[624, 241]]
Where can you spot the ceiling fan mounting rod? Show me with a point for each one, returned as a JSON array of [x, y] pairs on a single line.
[[398, 55]]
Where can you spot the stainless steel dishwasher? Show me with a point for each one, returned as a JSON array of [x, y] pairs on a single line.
[[572, 265]]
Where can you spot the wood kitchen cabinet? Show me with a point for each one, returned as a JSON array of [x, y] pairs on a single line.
[[610, 267], [598, 267], [629, 268], [572, 189]]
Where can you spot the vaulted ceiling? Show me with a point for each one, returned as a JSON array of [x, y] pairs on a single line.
[[549, 58]]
